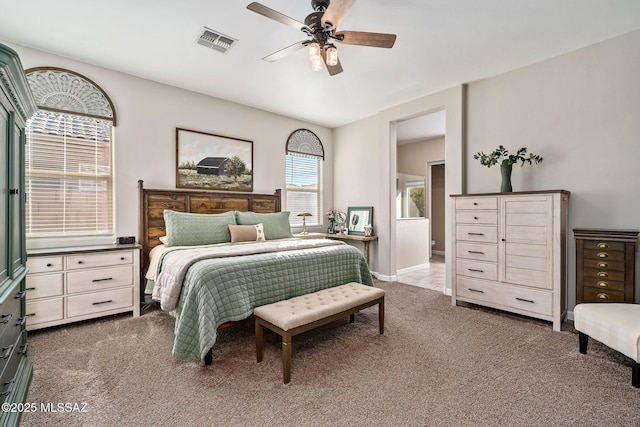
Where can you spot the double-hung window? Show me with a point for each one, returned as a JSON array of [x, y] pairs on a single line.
[[304, 177], [68, 157]]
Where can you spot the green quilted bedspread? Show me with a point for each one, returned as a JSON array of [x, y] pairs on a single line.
[[221, 290]]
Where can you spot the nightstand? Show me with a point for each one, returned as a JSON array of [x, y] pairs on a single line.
[[605, 265]]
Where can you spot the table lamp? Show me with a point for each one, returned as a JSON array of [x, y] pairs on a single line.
[[304, 216]]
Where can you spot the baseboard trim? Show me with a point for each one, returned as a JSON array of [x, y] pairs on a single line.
[[384, 278], [412, 268]]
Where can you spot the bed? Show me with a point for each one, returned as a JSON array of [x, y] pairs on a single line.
[[208, 282]]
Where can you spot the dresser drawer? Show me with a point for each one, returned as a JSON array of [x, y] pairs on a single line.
[[604, 255], [481, 270], [477, 251], [44, 285], [44, 311], [477, 233], [489, 218], [515, 297], [9, 366], [10, 314], [99, 279], [602, 295], [604, 245], [102, 259], [603, 264], [80, 305], [480, 203], [593, 273], [44, 264], [606, 284]]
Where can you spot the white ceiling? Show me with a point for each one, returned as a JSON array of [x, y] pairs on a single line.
[[440, 44]]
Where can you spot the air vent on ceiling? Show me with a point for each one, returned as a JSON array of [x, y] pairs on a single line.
[[215, 40]]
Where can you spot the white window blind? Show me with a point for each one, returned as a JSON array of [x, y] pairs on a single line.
[[68, 175], [304, 188]]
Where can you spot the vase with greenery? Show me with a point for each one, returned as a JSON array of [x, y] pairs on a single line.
[[506, 161]]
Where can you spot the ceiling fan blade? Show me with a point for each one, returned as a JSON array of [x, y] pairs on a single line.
[[362, 38], [275, 15], [336, 12], [333, 70], [286, 51]]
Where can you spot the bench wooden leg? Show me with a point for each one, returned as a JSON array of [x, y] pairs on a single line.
[[381, 316], [352, 318], [259, 341], [635, 374], [286, 357]]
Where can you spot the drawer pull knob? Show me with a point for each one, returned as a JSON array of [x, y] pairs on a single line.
[[80, 262], [603, 265], [603, 296], [21, 295], [603, 284], [475, 217], [475, 234], [122, 258], [6, 317], [475, 203], [30, 289], [476, 252], [30, 314], [7, 352], [603, 255], [603, 274], [475, 270], [102, 280], [525, 300], [23, 349], [476, 290], [49, 264], [102, 302], [21, 321], [603, 245]]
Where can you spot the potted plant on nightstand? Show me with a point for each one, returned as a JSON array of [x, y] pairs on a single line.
[[501, 156]]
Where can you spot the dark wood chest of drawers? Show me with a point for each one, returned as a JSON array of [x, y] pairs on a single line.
[[605, 265]]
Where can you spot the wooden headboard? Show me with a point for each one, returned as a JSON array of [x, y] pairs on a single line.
[[152, 204]]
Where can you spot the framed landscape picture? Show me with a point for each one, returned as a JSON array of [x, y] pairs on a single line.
[[213, 162]]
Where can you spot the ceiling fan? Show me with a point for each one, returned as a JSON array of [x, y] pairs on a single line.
[[321, 28]]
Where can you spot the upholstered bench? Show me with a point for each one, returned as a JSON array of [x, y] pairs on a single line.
[[615, 325], [300, 314]]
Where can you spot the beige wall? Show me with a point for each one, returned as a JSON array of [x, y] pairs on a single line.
[[372, 176], [581, 112], [413, 158], [412, 237], [144, 147]]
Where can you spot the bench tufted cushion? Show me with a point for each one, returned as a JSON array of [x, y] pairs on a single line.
[[615, 325], [308, 308]]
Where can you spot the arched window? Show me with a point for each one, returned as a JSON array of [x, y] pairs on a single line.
[[68, 156], [304, 177]]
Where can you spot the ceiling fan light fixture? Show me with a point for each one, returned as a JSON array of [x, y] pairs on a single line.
[[316, 63], [332, 56], [314, 51]]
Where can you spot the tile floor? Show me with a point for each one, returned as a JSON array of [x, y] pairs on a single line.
[[430, 277]]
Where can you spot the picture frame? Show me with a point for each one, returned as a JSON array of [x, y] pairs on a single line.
[[357, 218], [213, 162]]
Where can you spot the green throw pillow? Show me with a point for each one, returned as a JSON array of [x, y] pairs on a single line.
[[189, 229], [276, 225]]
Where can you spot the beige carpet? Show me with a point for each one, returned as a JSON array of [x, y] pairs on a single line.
[[436, 365]]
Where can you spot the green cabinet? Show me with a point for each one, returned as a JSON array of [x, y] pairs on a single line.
[[16, 106]]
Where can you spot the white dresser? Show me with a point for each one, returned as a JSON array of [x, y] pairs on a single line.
[[73, 284], [510, 252]]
